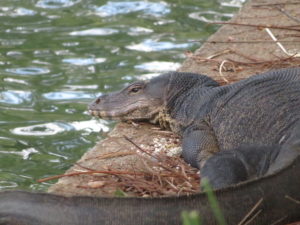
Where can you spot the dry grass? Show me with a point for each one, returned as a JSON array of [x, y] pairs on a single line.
[[162, 175]]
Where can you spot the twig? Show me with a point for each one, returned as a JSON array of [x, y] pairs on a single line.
[[139, 148], [279, 220], [221, 68], [253, 217], [154, 179], [160, 164], [273, 4], [172, 185], [244, 42], [280, 62], [183, 172], [84, 167], [263, 62], [111, 155], [256, 25], [89, 173], [292, 199], [245, 56], [226, 51], [280, 45], [280, 9], [250, 212]]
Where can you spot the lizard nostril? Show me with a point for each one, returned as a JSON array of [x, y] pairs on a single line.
[[98, 101]]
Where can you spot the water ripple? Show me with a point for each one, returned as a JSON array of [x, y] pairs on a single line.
[[210, 16], [12, 42], [151, 45], [125, 7], [84, 61], [95, 32], [14, 53], [45, 129], [86, 87], [89, 126], [68, 95], [25, 153], [135, 31], [12, 80], [232, 3], [15, 97], [70, 44], [7, 184], [14, 12], [147, 76], [158, 66], [48, 129], [56, 4], [28, 70]]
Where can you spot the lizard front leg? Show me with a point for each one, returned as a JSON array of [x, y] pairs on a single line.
[[200, 149], [198, 144]]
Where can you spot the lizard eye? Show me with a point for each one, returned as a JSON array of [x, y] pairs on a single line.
[[135, 89]]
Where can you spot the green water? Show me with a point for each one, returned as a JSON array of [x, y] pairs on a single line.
[[57, 55]]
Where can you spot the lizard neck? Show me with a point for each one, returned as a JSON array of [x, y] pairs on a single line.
[[165, 121]]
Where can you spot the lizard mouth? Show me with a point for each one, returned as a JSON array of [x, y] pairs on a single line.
[[129, 115], [136, 111], [103, 114], [112, 115], [117, 112]]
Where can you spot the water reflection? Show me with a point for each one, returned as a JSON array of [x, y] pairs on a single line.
[[68, 95], [90, 126], [25, 153], [135, 31], [70, 44], [147, 76], [48, 129], [41, 129], [15, 97], [13, 80], [28, 70], [95, 32], [56, 4], [84, 61], [14, 53], [210, 16], [86, 87], [233, 3], [157, 66], [125, 7], [14, 12], [42, 53], [152, 45], [7, 184], [11, 42]]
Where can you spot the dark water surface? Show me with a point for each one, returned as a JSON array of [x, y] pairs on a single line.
[[57, 55]]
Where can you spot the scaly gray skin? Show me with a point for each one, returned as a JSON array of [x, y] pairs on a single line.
[[261, 110]]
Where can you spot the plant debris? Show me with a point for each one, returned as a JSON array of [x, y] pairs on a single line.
[[165, 172]]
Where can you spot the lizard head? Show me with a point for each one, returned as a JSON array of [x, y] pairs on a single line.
[[139, 101]]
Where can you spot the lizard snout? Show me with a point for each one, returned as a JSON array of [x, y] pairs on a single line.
[[95, 105]]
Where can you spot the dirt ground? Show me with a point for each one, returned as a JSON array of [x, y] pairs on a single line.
[[244, 46]]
